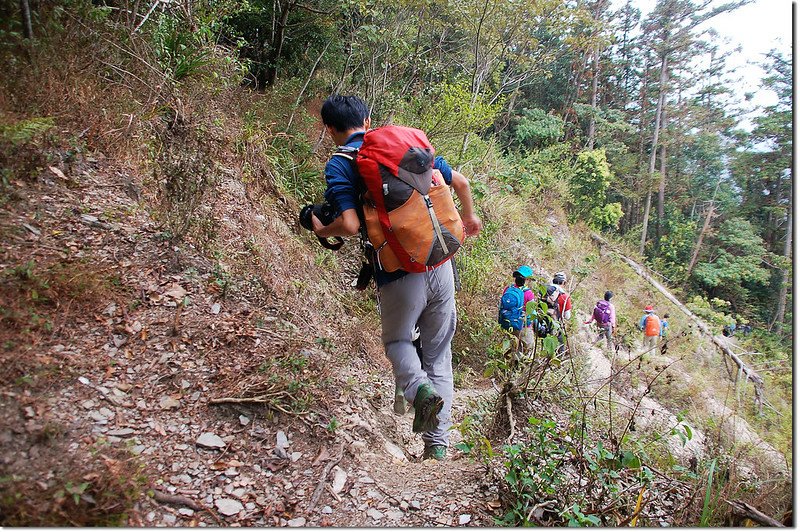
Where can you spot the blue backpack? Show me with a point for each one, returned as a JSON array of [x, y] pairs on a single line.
[[512, 312]]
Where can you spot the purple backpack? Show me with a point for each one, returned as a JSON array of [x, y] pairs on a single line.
[[602, 312]]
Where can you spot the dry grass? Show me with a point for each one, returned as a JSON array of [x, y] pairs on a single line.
[[94, 487], [39, 300]]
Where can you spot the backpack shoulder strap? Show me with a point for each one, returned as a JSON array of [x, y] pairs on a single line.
[[348, 152]]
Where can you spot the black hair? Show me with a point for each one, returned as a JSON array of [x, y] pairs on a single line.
[[666, 315], [344, 113], [608, 295], [519, 280]]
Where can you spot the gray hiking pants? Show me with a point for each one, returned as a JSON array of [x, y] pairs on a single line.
[[649, 344], [426, 300]]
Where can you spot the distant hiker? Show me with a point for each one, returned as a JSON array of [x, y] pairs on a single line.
[[412, 289], [559, 306], [558, 300], [605, 316], [650, 324], [664, 326], [512, 314], [729, 330]]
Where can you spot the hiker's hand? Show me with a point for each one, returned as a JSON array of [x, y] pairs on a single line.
[[472, 225], [316, 224]]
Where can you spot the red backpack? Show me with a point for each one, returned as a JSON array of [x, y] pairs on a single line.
[[409, 212]]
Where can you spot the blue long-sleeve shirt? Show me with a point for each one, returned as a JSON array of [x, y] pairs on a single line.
[[345, 189]]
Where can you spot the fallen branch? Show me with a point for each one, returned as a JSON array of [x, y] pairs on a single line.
[[176, 500], [323, 479], [743, 509]]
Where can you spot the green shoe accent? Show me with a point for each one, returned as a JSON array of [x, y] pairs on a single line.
[[436, 452], [399, 402], [427, 405]]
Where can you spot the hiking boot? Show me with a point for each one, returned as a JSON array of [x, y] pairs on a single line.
[[435, 452], [427, 405], [399, 402]]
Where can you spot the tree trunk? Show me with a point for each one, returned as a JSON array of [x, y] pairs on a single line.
[[276, 46], [662, 89], [662, 184], [27, 27], [787, 253], [596, 74], [699, 242]]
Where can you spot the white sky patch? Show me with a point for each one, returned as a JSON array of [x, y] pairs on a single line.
[[756, 28]]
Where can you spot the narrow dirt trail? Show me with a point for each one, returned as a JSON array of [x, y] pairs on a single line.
[[650, 415]]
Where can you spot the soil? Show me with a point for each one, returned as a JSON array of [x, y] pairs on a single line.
[[135, 362]]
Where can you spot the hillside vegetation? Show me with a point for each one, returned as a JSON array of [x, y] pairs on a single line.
[[179, 351]]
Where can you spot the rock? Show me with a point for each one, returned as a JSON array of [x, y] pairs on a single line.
[[119, 340], [403, 505], [250, 506], [463, 519], [231, 472], [169, 519], [281, 440], [188, 512], [297, 522], [215, 308], [84, 380], [415, 505], [339, 478], [229, 506], [244, 420], [88, 404], [327, 510], [375, 514], [366, 480], [296, 456], [167, 403], [395, 515], [239, 492], [395, 451], [120, 432], [211, 441]]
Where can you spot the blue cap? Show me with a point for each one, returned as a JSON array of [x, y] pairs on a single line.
[[524, 271]]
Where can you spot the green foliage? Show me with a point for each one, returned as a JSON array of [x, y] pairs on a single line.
[[705, 518], [536, 129], [736, 258], [446, 112], [533, 470], [589, 185], [180, 52], [24, 131]]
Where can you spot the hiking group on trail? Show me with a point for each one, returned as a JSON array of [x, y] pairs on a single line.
[[527, 322], [387, 186]]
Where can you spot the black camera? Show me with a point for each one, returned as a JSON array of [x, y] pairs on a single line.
[[326, 213]]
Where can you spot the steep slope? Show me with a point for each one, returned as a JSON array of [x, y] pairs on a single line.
[[242, 384]]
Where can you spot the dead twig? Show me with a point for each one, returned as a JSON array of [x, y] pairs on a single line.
[[176, 500], [322, 480]]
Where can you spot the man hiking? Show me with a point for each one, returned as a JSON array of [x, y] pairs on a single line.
[[559, 306], [512, 314], [650, 325], [406, 300], [605, 316]]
